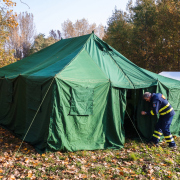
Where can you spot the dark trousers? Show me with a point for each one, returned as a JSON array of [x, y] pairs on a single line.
[[163, 127]]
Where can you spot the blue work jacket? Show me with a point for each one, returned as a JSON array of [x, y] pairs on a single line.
[[160, 105]]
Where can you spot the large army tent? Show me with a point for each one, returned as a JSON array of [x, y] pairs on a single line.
[[72, 96]]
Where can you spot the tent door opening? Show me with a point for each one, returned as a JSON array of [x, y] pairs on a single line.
[[132, 98]]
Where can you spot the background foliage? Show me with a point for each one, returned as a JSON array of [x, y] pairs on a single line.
[[149, 35], [7, 22]]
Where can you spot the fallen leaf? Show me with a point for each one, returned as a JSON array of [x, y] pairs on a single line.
[[29, 174], [12, 177], [150, 171], [153, 178], [121, 173], [127, 163], [93, 176]]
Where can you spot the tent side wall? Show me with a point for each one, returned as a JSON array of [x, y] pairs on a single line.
[[39, 93], [115, 133], [13, 104], [73, 130], [20, 99]]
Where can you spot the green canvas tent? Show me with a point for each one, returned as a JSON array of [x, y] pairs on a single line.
[[72, 96]]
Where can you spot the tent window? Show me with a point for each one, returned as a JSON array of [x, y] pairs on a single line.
[[81, 101], [34, 96]]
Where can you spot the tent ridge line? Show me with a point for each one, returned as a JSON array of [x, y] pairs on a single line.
[[76, 55], [130, 62], [119, 66]]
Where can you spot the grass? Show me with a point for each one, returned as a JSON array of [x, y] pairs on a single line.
[[135, 161]]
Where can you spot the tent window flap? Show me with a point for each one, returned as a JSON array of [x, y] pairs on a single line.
[[81, 101]]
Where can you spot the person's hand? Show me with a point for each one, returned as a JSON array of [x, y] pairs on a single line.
[[143, 113]]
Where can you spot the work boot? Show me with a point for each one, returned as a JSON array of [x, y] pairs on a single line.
[[173, 147]]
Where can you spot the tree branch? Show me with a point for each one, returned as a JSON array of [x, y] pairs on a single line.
[[24, 3]]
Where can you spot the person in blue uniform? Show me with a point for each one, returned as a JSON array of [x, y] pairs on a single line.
[[160, 105]]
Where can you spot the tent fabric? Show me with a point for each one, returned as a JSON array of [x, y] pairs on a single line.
[[72, 96]]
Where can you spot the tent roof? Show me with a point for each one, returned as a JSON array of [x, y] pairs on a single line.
[[85, 58], [48, 61]]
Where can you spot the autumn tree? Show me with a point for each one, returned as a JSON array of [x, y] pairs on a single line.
[[81, 27], [7, 23], [148, 34], [22, 37], [145, 34], [42, 42], [169, 33], [55, 34], [119, 32]]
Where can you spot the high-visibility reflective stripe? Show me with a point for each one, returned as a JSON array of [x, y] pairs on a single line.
[[168, 136], [170, 140], [152, 112], [157, 132], [156, 136], [166, 112], [164, 107]]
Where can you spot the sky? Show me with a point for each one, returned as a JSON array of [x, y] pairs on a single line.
[[50, 14]]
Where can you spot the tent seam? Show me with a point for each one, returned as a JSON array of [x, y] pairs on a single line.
[[131, 63], [142, 70], [122, 71], [120, 67]]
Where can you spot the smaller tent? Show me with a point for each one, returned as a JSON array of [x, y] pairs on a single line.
[[171, 74]]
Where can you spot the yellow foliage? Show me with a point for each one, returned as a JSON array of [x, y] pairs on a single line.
[[7, 22]]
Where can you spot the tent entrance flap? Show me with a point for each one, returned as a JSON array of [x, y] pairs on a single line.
[[130, 121]]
